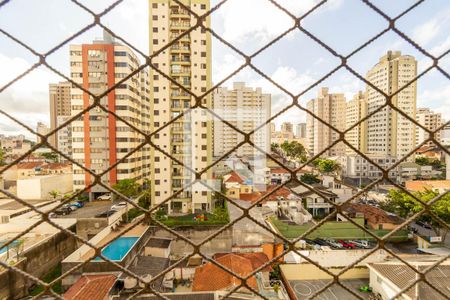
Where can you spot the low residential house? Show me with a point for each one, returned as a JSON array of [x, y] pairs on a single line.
[[313, 198], [31, 169], [389, 278], [341, 189], [439, 186], [236, 184], [374, 217], [279, 175], [357, 167], [428, 151], [412, 171], [210, 277], [91, 287]]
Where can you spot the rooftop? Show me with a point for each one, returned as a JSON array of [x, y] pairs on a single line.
[[159, 243], [241, 264], [91, 287], [373, 214], [423, 185], [304, 289]]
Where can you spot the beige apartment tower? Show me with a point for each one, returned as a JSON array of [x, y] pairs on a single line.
[[356, 109], [189, 138], [388, 132], [246, 108], [429, 119], [59, 94], [99, 139], [331, 109]]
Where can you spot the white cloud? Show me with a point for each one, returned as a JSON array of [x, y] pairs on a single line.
[[440, 99], [429, 30], [261, 20], [27, 99]]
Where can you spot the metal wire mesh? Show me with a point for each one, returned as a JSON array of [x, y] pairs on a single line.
[[149, 213]]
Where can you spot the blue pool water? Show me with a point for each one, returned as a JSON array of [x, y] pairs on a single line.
[[118, 248], [10, 246]]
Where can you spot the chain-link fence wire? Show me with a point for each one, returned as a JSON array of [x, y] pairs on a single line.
[[200, 19]]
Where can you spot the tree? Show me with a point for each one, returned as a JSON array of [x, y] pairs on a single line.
[[309, 178], [274, 147], [425, 161], [326, 165], [51, 156], [2, 157], [294, 150], [127, 187], [405, 206], [54, 194]]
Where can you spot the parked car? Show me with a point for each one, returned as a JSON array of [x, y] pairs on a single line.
[[62, 211], [104, 197], [361, 243], [105, 214], [68, 206], [77, 204], [348, 245], [334, 244], [119, 205], [424, 225], [321, 242]]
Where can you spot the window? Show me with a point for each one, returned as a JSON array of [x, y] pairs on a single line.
[[155, 5], [157, 170], [155, 42], [155, 18], [203, 6], [203, 54], [155, 29]]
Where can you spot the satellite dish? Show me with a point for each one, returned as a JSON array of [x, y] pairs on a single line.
[[129, 282]]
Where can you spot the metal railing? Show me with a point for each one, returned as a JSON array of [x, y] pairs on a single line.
[[295, 103]]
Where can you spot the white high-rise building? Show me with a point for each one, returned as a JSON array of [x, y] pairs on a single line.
[[246, 108], [430, 120], [99, 139], [331, 109], [356, 109], [300, 130], [388, 132], [43, 129], [189, 138]]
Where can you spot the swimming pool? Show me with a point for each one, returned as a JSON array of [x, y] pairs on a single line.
[[10, 246], [118, 248]]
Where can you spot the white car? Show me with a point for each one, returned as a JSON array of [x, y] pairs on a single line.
[[119, 205], [104, 197]]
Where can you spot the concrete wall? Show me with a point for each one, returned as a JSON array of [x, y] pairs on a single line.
[[309, 271], [39, 187], [338, 258], [37, 261], [221, 243]]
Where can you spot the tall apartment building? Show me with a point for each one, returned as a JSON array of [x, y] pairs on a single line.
[[43, 129], [287, 127], [59, 94], [64, 137], [188, 139], [99, 139], [300, 130], [430, 120], [356, 109], [388, 132], [331, 109], [246, 108]]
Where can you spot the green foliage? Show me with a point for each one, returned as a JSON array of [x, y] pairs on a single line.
[[132, 213], [220, 214], [161, 214], [294, 150], [188, 220], [309, 178], [51, 156], [52, 275], [404, 205], [276, 273], [335, 230], [425, 161], [2, 157], [326, 165], [54, 194], [127, 187]]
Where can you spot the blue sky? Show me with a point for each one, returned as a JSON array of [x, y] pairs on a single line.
[[294, 62]]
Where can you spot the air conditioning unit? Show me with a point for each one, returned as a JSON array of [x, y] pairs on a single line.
[[4, 219]]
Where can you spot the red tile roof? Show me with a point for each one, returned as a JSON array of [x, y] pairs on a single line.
[[210, 277], [373, 214], [233, 177], [30, 165], [91, 287], [279, 171], [423, 185], [253, 197]]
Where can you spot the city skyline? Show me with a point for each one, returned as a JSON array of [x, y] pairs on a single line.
[[287, 70]]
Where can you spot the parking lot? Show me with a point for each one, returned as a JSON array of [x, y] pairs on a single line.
[[89, 210]]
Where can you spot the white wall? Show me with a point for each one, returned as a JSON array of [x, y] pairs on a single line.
[[39, 187]]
